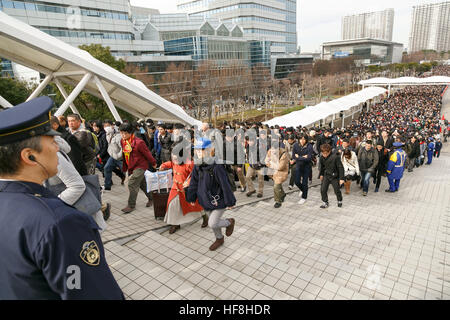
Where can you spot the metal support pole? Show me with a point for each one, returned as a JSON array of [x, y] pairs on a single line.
[[65, 95], [41, 87], [107, 99], [80, 86], [5, 103]]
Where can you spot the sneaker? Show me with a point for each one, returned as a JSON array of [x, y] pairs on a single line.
[[301, 201], [300, 194], [340, 204], [259, 195], [243, 189], [324, 205], [388, 190], [277, 205], [364, 193]]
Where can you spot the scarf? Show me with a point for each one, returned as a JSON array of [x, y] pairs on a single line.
[[127, 148]]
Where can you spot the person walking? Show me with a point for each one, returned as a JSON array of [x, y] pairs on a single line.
[[331, 172], [380, 169], [86, 141], [430, 150], [437, 148], [289, 143], [179, 211], [351, 168], [209, 184], [277, 160], [114, 162], [395, 167], [136, 161], [413, 152], [368, 161], [302, 155]]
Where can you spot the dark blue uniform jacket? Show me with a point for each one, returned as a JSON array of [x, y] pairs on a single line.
[[45, 245]]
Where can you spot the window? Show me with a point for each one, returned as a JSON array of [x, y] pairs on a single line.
[[30, 6], [7, 4], [19, 5]]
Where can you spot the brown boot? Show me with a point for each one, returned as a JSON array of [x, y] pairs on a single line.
[[205, 221], [128, 209], [230, 228], [173, 229], [216, 244], [347, 187]]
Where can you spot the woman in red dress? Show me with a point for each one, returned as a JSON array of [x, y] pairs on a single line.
[[179, 211]]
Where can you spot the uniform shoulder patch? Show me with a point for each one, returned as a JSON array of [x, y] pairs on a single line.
[[90, 254]]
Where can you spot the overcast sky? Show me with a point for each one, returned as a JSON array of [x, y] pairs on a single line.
[[319, 21]]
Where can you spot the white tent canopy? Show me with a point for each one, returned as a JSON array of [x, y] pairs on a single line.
[[323, 110], [63, 63], [406, 81]]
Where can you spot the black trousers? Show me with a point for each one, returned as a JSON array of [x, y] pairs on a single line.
[[377, 176], [324, 188]]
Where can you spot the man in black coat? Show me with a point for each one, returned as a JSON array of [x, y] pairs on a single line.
[[75, 154], [331, 172], [413, 152]]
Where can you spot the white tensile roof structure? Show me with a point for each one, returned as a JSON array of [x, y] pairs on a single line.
[[63, 63], [406, 81], [322, 110]]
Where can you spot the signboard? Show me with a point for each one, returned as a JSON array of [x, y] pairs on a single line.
[[340, 54]]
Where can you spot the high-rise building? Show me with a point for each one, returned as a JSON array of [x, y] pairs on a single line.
[[430, 27], [80, 22], [374, 25], [268, 20]]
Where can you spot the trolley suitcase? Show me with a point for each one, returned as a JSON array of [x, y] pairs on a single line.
[[160, 203]]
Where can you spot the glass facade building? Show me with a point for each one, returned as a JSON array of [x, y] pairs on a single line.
[[365, 51], [269, 20], [80, 22]]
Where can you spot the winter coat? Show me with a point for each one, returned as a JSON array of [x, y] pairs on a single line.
[[279, 163], [209, 184], [166, 144], [351, 166], [139, 157], [103, 146], [75, 153], [114, 145], [298, 153], [331, 167], [86, 142], [413, 150], [368, 160], [180, 175]]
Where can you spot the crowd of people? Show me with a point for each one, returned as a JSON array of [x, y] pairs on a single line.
[[403, 131]]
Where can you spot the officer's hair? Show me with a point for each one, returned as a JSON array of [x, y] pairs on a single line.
[[10, 154]]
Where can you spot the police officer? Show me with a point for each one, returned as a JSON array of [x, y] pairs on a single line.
[[49, 250], [395, 167]]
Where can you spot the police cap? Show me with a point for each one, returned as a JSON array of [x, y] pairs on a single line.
[[26, 120]]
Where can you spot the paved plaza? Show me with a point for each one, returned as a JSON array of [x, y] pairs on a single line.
[[383, 246]]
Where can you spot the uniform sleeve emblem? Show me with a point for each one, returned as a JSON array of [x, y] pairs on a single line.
[[90, 253]]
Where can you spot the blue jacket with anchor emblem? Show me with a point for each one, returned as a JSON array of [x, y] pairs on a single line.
[[48, 249]]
